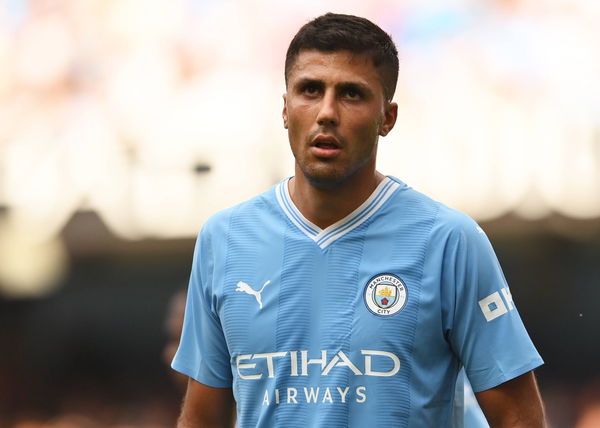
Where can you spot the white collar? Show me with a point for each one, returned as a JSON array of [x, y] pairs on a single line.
[[324, 237]]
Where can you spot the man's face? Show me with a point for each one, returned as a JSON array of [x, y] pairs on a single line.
[[335, 111]]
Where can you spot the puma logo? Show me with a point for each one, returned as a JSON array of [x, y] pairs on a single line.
[[242, 286]]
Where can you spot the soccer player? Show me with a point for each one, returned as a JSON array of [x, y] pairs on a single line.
[[342, 297]]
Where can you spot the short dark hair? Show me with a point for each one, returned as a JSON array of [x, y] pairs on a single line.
[[336, 32]]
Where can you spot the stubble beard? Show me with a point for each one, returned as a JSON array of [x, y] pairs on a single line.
[[327, 177], [328, 174]]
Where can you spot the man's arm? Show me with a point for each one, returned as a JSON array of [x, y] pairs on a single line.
[[515, 404], [206, 407]]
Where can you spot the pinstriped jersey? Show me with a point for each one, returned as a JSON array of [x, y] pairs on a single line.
[[364, 323]]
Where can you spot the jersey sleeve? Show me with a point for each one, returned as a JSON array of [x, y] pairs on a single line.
[[203, 354], [483, 326]]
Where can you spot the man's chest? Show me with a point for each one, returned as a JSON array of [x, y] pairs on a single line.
[[324, 309]]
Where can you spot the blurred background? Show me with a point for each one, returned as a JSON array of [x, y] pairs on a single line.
[[125, 123]]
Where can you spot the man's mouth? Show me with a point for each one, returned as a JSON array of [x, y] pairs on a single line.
[[326, 142], [325, 146]]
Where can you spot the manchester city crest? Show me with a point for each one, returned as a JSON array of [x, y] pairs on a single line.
[[385, 294]]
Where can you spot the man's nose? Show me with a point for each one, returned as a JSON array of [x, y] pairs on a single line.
[[328, 110]]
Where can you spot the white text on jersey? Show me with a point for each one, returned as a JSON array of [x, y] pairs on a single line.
[[300, 362]]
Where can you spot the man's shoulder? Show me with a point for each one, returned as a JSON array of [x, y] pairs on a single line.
[[444, 218], [457, 226], [258, 205]]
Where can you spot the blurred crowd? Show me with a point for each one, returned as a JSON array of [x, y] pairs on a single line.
[[155, 91], [146, 112]]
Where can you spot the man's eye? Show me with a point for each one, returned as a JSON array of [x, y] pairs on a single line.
[[311, 89], [352, 94]]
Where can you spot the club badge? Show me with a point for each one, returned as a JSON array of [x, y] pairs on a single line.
[[385, 294]]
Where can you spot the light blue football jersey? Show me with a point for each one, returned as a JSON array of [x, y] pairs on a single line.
[[363, 324]]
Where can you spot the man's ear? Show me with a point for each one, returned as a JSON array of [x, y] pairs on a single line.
[[389, 118], [284, 113]]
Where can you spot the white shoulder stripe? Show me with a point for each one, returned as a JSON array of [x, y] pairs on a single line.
[[324, 237]]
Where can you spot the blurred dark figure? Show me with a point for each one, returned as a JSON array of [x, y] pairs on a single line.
[[173, 326]]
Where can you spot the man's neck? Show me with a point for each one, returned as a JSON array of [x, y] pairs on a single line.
[[325, 206]]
